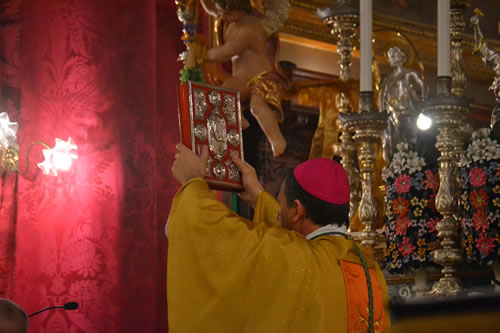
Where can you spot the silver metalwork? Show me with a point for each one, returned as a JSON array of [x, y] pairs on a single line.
[[229, 109], [215, 98], [208, 173], [234, 172], [200, 131], [233, 137], [343, 21], [217, 135], [200, 103], [400, 94], [219, 171], [492, 60]]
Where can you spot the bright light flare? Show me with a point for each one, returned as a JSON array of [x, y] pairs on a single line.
[[58, 158], [424, 122], [8, 131]]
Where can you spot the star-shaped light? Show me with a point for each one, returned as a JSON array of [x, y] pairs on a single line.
[[58, 158], [8, 131]]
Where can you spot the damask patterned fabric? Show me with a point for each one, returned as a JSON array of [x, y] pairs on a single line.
[[105, 74]]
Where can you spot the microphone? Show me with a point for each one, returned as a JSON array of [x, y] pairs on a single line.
[[67, 306]]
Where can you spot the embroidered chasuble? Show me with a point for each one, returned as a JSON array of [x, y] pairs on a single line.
[[229, 274]]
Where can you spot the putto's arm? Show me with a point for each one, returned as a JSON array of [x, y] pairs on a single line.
[[232, 46]]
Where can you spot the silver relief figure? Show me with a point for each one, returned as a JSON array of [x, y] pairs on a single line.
[[400, 94], [200, 103], [217, 135]]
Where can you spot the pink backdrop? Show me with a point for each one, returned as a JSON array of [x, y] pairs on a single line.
[[103, 72]]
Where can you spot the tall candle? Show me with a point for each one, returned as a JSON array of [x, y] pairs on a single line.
[[366, 44], [443, 37]]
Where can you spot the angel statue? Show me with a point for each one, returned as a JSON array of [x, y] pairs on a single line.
[[400, 94], [247, 37], [492, 59]]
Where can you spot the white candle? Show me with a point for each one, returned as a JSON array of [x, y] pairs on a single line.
[[443, 38], [366, 45]]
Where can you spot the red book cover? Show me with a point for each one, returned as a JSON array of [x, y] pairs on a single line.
[[211, 116]]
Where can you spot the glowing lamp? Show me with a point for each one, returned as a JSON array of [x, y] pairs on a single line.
[[59, 158], [424, 122]]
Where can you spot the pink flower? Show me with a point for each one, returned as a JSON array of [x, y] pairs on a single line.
[[477, 177], [406, 248], [402, 184], [485, 244]]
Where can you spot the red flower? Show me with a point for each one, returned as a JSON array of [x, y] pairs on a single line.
[[400, 206], [402, 184], [431, 224], [432, 202], [431, 181], [485, 244], [478, 199], [401, 225], [498, 172], [477, 177], [481, 222], [406, 248]]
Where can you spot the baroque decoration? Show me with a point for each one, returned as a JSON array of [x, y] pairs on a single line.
[[480, 178], [411, 215]]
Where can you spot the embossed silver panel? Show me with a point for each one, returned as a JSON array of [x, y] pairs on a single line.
[[200, 131], [208, 173], [200, 103], [234, 173], [229, 109], [233, 137], [219, 171], [217, 136], [214, 98]]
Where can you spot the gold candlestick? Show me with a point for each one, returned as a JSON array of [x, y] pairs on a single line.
[[367, 125], [346, 149], [457, 25], [448, 111], [343, 22]]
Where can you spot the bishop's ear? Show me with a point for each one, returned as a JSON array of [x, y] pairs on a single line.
[[299, 211]]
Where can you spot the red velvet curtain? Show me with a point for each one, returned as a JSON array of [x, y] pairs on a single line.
[[103, 72]]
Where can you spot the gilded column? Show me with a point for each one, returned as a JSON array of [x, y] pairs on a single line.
[[366, 126], [457, 25], [343, 22], [346, 149], [448, 111]]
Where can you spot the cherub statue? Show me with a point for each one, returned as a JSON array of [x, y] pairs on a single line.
[[400, 93], [249, 40], [492, 59]]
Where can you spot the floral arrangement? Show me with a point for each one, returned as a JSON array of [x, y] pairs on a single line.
[[480, 199], [410, 211]]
